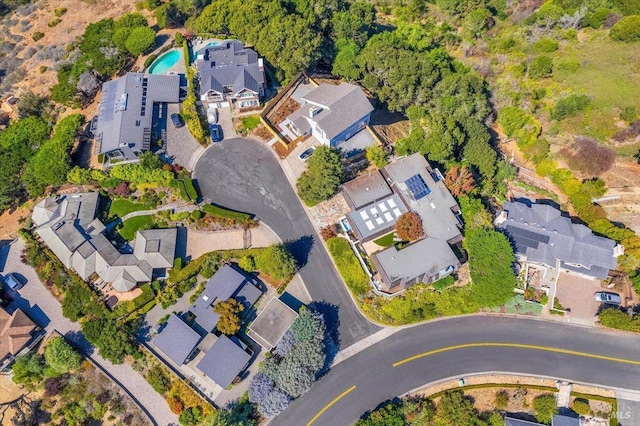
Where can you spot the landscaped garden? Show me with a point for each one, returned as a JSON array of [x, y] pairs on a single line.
[[134, 224]]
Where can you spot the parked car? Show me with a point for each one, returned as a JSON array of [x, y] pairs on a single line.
[[608, 298], [307, 154], [212, 115], [176, 120], [216, 132], [12, 282]]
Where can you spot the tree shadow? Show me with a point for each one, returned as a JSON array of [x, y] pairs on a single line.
[[77, 339], [300, 249], [332, 336]]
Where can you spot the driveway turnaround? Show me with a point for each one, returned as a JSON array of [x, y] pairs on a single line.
[[452, 348], [242, 174]]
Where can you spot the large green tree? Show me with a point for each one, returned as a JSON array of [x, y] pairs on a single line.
[[323, 176], [276, 261], [60, 357]]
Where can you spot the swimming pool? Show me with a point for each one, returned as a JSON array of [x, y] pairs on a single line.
[[165, 62]]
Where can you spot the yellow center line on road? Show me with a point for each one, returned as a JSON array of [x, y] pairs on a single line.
[[515, 345], [326, 407]]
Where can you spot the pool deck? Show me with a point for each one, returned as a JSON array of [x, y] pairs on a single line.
[[178, 67]]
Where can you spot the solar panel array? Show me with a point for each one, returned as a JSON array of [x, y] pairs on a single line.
[[524, 238], [417, 186]]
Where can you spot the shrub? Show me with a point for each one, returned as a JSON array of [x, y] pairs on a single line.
[[53, 23], [626, 29], [196, 215], [328, 231], [544, 407], [191, 190], [581, 406], [247, 263], [541, 67], [175, 405], [277, 262], [377, 156], [37, 35], [158, 380], [409, 227], [322, 178], [348, 266], [570, 106], [223, 213], [501, 399], [546, 45], [590, 157], [140, 40], [149, 60], [615, 318], [190, 416], [60, 357]]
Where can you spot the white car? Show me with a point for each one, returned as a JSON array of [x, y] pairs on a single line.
[[212, 115], [608, 298]]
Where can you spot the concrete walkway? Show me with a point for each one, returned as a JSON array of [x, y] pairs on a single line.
[[36, 300]]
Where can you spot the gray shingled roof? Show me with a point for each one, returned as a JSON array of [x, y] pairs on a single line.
[[76, 237], [229, 64], [156, 246], [224, 284], [224, 361], [543, 235], [271, 323], [342, 106], [176, 340], [120, 115], [565, 420]]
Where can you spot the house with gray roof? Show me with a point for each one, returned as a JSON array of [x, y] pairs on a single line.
[[542, 235], [68, 226], [226, 283], [230, 74], [176, 340], [377, 200], [331, 113], [224, 361], [132, 113], [566, 419]]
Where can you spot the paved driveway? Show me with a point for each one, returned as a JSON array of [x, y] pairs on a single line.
[[36, 300], [577, 293], [181, 146], [244, 175]]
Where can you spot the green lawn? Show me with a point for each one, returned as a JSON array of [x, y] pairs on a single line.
[[250, 122], [385, 240], [517, 305], [349, 266], [128, 231], [121, 207]]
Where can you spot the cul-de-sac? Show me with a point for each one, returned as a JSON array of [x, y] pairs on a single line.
[[320, 212]]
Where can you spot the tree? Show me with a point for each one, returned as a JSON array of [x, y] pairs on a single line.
[[323, 176], [259, 388], [459, 181], [491, 265], [626, 29], [31, 104], [60, 357], [541, 67], [230, 321], [544, 407], [409, 226], [158, 380], [454, 409], [286, 344], [141, 40], [570, 106], [276, 261], [111, 339], [274, 403], [191, 416], [79, 175], [28, 369], [377, 156]]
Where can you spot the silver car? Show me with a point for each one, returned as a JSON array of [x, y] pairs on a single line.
[[608, 298]]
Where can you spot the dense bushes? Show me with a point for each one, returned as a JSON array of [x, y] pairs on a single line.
[[589, 157], [541, 67], [570, 106], [59, 358], [348, 266], [627, 29], [277, 262], [545, 407], [225, 213], [615, 318], [190, 111], [291, 373]]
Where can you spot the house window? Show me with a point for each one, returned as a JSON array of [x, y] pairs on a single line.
[[137, 123], [227, 89]]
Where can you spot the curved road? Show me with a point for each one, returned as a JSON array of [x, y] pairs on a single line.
[[376, 379], [244, 175]]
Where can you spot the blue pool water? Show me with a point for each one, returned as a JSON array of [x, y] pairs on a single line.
[[165, 62]]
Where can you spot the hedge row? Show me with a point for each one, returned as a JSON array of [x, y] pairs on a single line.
[[225, 213]]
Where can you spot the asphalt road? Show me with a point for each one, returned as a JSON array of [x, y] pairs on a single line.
[[242, 174], [376, 380]]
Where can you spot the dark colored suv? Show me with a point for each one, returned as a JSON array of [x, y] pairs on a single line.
[[216, 132], [176, 120]]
